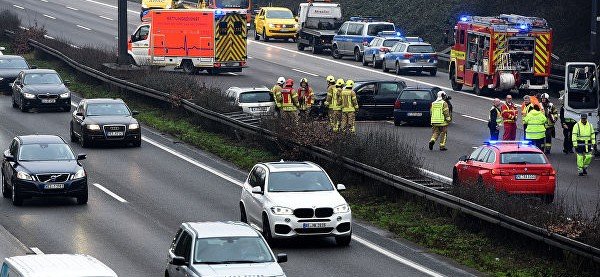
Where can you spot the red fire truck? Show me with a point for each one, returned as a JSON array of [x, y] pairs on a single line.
[[502, 53]]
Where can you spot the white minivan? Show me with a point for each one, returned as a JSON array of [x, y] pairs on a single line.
[[55, 265]]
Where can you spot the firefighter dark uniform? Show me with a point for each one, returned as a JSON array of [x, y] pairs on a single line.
[[567, 124], [333, 101], [289, 101], [583, 139], [440, 118], [551, 114], [306, 97], [495, 120], [536, 127], [349, 106]]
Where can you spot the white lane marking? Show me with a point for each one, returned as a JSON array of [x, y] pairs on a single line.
[[48, 16], [83, 27], [231, 73], [23, 28], [396, 257], [107, 18], [48, 37], [308, 73], [110, 6], [45, 1], [475, 118], [36, 250], [250, 57], [74, 46], [71, 8], [18, 7], [240, 184], [107, 191]]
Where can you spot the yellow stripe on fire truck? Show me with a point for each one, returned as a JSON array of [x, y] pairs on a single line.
[[500, 46], [231, 46], [542, 55]]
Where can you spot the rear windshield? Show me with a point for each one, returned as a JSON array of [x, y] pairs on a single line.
[[256, 97], [280, 14], [390, 42], [420, 49], [416, 95], [13, 64], [374, 29], [522, 158]]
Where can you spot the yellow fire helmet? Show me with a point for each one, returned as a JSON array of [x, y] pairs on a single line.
[[349, 84], [340, 82], [330, 79]]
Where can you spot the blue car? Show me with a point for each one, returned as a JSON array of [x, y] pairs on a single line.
[[355, 34], [411, 56], [413, 105], [380, 45]]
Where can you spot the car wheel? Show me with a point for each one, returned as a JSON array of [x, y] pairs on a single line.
[[343, 240], [256, 36], [83, 142], [455, 85], [82, 199], [317, 49], [188, 67], [455, 180], [548, 199], [74, 137], [383, 66], [267, 230], [476, 89], [357, 55], [264, 35], [5, 192], [335, 53], [17, 200], [364, 61], [300, 46], [397, 69], [23, 108], [14, 103], [375, 63], [433, 72], [243, 217]]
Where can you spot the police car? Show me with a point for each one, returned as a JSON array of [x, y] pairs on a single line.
[[380, 45], [411, 56], [355, 34]]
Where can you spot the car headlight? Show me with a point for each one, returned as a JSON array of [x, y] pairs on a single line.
[[1, 79], [28, 95], [24, 176], [282, 211], [80, 174], [144, 6], [271, 25], [65, 95], [341, 209], [93, 127], [134, 126]]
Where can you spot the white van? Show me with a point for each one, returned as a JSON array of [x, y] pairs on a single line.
[[55, 265]]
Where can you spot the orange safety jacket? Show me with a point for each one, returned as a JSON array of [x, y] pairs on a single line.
[[509, 113]]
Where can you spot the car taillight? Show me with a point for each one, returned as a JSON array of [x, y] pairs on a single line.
[[217, 65], [365, 43], [500, 172], [408, 55], [397, 104], [384, 50]]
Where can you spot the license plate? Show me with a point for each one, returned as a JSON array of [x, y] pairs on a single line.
[[284, 30], [54, 186], [48, 101], [231, 64], [525, 177], [314, 225], [415, 114], [115, 134], [259, 109]]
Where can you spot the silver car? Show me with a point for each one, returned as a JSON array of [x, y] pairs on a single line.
[[411, 56], [254, 101], [221, 249]]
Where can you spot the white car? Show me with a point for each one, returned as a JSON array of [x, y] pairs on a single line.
[[64, 265], [221, 249], [254, 101], [293, 199]]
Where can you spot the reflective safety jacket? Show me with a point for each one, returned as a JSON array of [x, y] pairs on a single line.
[[509, 113], [583, 134], [334, 99], [440, 113], [536, 125], [275, 91], [349, 101], [288, 99], [306, 98], [551, 114]]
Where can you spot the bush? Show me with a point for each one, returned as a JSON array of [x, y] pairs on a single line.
[[9, 21], [21, 38]]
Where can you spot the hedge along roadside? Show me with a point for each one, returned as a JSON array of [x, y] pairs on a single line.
[[398, 182]]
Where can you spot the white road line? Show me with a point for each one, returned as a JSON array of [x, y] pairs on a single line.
[[45, 1], [71, 8], [107, 18], [36, 250], [308, 73], [18, 7], [114, 195], [475, 118], [48, 37], [111, 6], [48, 16], [240, 184], [250, 57], [83, 27]]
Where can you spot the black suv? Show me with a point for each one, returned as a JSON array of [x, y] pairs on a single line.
[[40, 89], [10, 67], [42, 166], [104, 120]]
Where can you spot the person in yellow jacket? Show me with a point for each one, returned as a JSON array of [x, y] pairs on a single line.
[[536, 127], [288, 97], [333, 101], [349, 107], [584, 139], [276, 90], [440, 118]]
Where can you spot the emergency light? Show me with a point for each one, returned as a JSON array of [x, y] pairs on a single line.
[[521, 142], [523, 26], [464, 18], [219, 12]]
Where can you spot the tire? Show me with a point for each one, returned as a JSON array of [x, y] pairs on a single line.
[[397, 69], [256, 36], [317, 50], [83, 142], [264, 35], [267, 230], [384, 67], [74, 137], [14, 103], [23, 108], [364, 61], [300, 46], [243, 216], [478, 91], [17, 200], [188, 67], [82, 199], [357, 55], [375, 63], [343, 240], [455, 85], [433, 72], [335, 53], [5, 192], [548, 199]]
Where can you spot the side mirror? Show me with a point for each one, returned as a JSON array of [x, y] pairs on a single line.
[[257, 190], [178, 261], [67, 82], [463, 158], [282, 258], [135, 112], [131, 38], [341, 187], [81, 157], [33, 66], [8, 157], [79, 114]]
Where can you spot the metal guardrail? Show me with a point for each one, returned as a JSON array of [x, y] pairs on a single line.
[[442, 198]]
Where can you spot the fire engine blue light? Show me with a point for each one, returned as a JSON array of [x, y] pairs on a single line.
[[219, 12], [523, 26], [492, 142], [463, 18]]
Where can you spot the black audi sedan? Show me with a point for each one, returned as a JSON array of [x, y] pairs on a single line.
[[104, 120], [40, 89], [42, 166], [10, 67]]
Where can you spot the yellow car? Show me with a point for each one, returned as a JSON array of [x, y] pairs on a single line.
[[274, 22], [155, 4]]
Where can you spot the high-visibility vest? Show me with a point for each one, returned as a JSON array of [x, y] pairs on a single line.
[[437, 113], [334, 104], [287, 99], [498, 116], [551, 115], [536, 122], [349, 102], [275, 91], [584, 133]]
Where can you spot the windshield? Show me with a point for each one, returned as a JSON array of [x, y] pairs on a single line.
[[256, 97], [45, 152], [231, 250], [107, 109], [13, 64], [390, 42], [280, 14], [415, 95], [232, 4], [298, 181], [420, 49], [583, 88], [42, 79], [522, 158], [374, 29]]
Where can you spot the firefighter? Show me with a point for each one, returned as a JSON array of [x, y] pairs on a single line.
[[509, 117], [330, 90], [305, 97], [333, 101], [552, 115], [567, 124], [440, 118], [536, 127], [349, 106], [289, 101], [495, 119], [583, 139], [276, 90]]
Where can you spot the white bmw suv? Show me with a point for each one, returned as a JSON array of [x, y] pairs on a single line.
[[292, 199]]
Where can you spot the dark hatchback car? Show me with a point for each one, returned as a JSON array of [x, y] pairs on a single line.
[[10, 67], [104, 120], [375, 99], [42, 166], [40, 89], [414, 105]]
